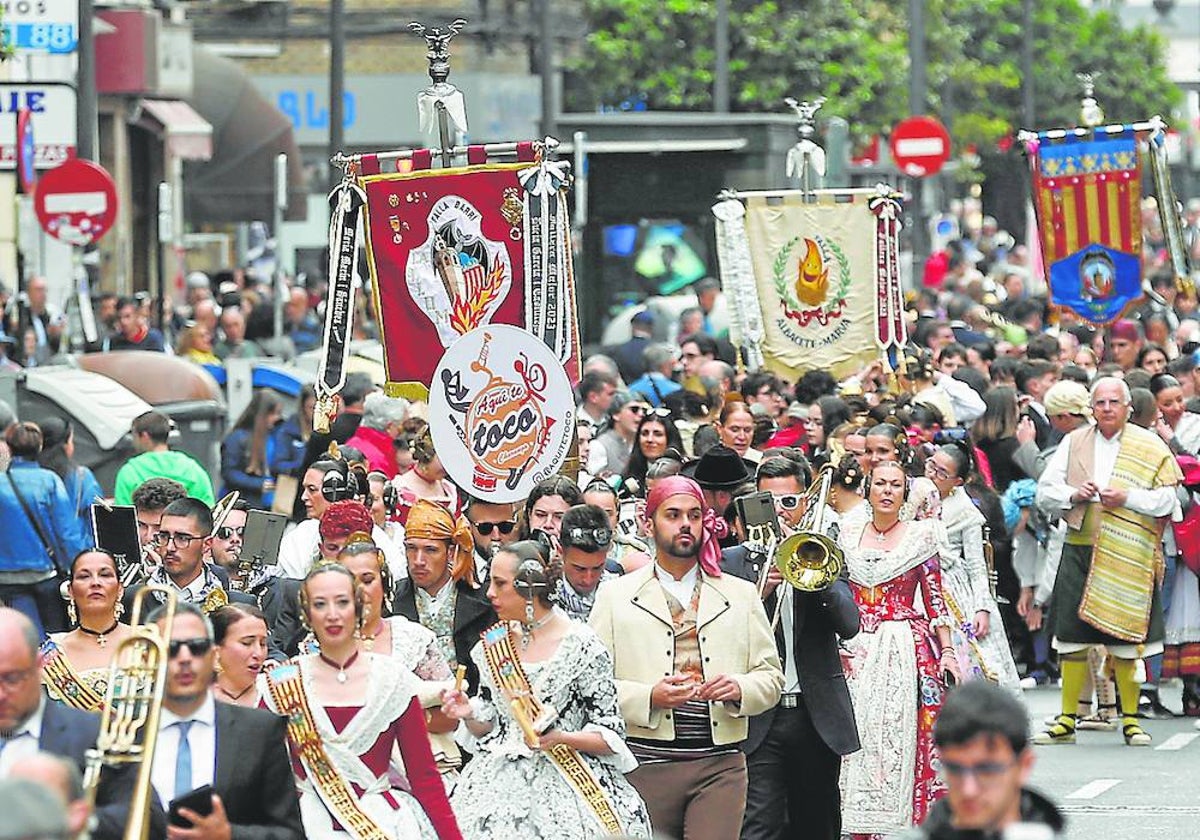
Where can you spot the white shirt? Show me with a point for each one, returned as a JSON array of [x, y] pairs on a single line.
[[202, 738], [1054, 494], [24, 741], [299, 546], [680, 589]]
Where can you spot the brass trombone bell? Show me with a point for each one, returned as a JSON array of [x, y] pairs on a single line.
[[809, 561]]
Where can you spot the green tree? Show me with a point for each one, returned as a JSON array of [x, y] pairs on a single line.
[[855, 52]]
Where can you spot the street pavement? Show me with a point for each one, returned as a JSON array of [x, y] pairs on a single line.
[[1111, 791]]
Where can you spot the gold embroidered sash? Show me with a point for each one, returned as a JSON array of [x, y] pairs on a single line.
[[63, 682], [287, 693], [509, 677], [1127, 561]]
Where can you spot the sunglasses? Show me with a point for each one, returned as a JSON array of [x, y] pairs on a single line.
[[787, 501], [586, 537], [225, 532], [485, 528], [197, 647]]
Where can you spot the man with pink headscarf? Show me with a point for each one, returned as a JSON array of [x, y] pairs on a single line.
[[693, 659]]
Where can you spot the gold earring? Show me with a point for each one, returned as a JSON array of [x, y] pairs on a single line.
[[72, 613], [118, 610]]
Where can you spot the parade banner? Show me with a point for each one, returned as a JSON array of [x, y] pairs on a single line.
[[501, 413], [450, 250], [824, 269], [1087, 196]]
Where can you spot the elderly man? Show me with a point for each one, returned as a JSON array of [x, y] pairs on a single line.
[[440, 592], [233, 343], [31, 723], [382, 422], [1115, 484], [687, 699]]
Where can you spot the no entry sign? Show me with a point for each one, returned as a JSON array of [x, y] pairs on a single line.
[[920, 146], [76, 202]]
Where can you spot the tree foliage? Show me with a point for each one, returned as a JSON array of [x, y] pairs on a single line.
[[855, 52]]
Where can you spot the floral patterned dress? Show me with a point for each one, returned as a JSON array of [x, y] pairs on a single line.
[[508, 791], [895, 681]]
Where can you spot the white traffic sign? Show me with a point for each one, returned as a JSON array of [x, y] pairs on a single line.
[[52, 110]]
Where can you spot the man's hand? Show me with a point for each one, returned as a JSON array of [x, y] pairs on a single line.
[[1086, 492], [774, 578], [1033, 619], [213, 827], [722, 689], [672, 692], [1113, 498], [1025, 601]]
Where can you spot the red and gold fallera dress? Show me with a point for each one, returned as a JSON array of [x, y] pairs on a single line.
[[895, 680]]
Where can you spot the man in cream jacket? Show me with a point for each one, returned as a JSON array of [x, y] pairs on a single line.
[[693, 659]]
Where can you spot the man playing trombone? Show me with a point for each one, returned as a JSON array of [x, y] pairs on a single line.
[[793, 751]]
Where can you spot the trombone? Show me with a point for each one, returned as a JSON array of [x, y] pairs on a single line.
[[809, 560], [132, 705]]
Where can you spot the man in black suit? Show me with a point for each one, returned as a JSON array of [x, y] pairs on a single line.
[[30, 722], [793, 752], [441, 591], [240, 752]]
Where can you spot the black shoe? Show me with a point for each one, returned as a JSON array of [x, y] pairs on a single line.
[[1149, 707]]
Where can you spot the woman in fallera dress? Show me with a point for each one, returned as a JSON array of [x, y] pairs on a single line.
[[348, 711], [546, 734], [896, 665], [76, 663], [240, 634]]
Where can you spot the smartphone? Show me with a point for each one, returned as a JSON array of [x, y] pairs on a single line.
[[198, 800], [757, 512], [260, 540]]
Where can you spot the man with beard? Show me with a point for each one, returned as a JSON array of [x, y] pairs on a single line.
[[686, 700], [181, 542]]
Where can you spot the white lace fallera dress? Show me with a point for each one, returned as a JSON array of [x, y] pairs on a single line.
[[967, 591], [509, 792]]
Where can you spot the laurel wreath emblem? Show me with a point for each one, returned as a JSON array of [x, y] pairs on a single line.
[[834, 304]]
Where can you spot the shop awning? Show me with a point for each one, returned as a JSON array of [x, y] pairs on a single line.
[[235, 185], [187, 135]]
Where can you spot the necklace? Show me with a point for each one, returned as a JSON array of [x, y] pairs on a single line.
[[881, 536], [341, 669], [231, 695], [100, 634], [369, 641], [527, 636]]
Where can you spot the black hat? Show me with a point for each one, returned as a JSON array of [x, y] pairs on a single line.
[[719, 468]]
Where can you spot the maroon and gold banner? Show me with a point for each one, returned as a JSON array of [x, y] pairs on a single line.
[[446, 255]]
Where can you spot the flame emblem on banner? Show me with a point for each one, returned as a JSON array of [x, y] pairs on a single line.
[[813, 283]]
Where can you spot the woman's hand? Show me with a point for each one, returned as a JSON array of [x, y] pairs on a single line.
[[551, 738], [456, 705], [982, 624], [1026, 431], [949, 665]]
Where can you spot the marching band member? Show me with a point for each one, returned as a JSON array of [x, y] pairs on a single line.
[[546, 720], [794, 751], [76, 664], [182, 541], [347, 709], [894, 669], [584, 541], [718, 658]]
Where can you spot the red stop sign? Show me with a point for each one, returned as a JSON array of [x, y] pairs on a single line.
[[920, 145], [76, 202]]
